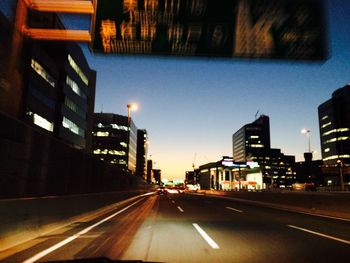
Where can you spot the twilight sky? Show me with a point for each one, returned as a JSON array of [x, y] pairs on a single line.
[[193, 106]]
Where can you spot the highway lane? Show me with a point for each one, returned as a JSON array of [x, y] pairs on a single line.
[[193, 228]]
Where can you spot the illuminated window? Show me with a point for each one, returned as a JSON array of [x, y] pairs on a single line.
[[78, 70], [40, 121], [74, 107], [324, 117], [257, 145], [100, 125], [335, 130], [344, 138], [333, 157], [254, 137], [42, 72], [74, 86], [122, 162], [123, 144], [119, 127], [67, 123], [326, 150], [114, 152], [102, 134], [326, 125]]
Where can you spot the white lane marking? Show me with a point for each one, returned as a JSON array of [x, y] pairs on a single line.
[[234, 209], [181, 210], [206, 237], [320, 234], [75, 236], [173, 201]]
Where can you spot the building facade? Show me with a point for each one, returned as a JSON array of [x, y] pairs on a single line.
[[227, 175], [114, 141], [53, 87], [141, 154], [252, 143], [334, 125]]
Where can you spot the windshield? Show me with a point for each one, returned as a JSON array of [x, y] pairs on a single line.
[[174, 130]]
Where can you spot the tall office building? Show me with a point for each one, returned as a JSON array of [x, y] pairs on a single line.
[[252, 140], [334, 124], [53, 87], [115, 140], [252, 143], [141, 153]]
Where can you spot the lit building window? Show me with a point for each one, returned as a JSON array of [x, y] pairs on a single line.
[[335, 130], [41, 122], [101, 134], [74, 86], [122, 162], [333, 157], [114, 152], [344, 138], [42, 72], [77, 69], [100, 125], [123, 144], [254, 137], [326, 150], [119, 127], [326, 125], [324, 117], [257, 145], [67, 123]]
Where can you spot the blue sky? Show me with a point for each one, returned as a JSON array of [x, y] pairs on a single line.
[[193, 106]]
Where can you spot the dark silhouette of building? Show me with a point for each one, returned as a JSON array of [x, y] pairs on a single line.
[[192, 177], [252, 143], [334, 124], [157, 174], [149, 171], [114, 141], [309, 171], [141, 155]]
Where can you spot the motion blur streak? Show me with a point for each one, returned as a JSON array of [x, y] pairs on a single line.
[[70, 239], [207, 238]]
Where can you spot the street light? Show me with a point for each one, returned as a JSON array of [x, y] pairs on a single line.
[[341, 166], [307, 132]]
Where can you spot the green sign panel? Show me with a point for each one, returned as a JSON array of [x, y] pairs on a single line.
[[283, 29]]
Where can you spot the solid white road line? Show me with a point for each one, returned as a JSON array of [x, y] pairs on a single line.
[[234, 209], [320, 234], [173, 201], [207, 238], [181, 210], [71, 238]]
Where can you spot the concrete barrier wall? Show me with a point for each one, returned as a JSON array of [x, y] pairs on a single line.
[[27, 218]]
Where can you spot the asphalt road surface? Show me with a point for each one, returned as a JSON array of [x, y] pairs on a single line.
[[193, 228]]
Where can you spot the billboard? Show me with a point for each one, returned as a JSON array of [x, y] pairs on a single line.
[[282, 29]]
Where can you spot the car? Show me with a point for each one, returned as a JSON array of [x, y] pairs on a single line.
[[162, 190]]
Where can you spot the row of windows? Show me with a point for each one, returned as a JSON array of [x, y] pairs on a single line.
[[42, 72], [333, 157], [108, 151], [114, 161], [335, 130], [77, 69], [74, 86], [326, 125], [67, 123], [113, 126], [344, 138], [74, 107]]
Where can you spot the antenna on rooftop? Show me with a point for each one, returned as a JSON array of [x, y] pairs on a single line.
[[256, 114]]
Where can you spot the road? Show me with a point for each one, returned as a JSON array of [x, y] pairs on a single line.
[[193, 228]]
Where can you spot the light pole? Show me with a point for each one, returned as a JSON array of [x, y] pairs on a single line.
[[307, 132], [341, 166]]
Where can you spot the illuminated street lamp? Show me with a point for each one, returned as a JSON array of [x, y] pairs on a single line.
[[341, 179], [307, 132]]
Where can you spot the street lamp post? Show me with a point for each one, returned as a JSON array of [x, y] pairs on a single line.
[[307, 132], [341, 179]]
